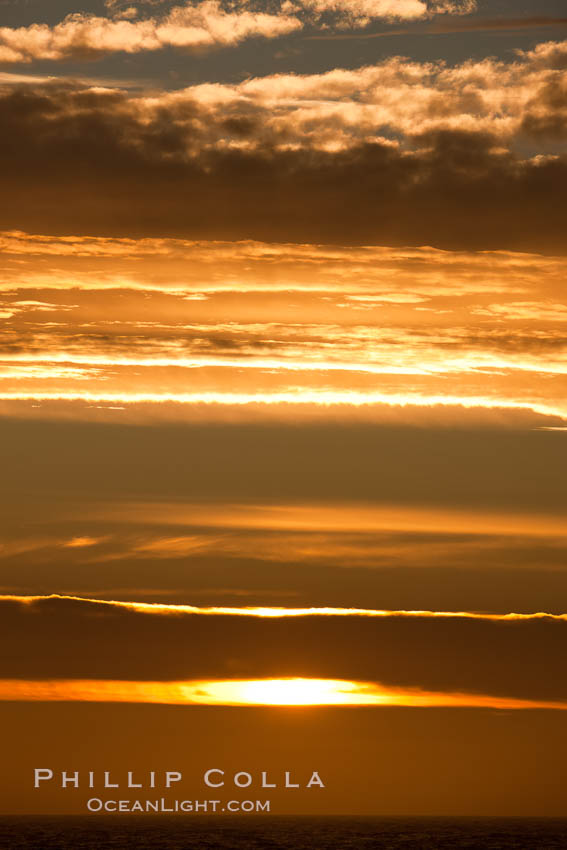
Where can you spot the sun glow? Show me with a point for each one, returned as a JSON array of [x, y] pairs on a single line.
[[284, 692], [292, 692]]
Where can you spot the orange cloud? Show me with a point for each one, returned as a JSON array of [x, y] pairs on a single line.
[[134, 317], [362, 273], [545, 311], [81, 542], [208, 403], [356, 518]]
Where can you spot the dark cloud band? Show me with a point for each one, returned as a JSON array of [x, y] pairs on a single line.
[[64, 639]]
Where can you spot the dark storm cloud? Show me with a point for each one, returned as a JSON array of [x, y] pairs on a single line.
[[87, 162], [63, 638]]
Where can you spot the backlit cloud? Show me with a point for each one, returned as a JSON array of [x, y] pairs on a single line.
[[355, 14], [262, 154], [359, 13], [198, 25], [205, 24]]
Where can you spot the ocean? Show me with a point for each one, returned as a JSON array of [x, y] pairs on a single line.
[[287, 833]]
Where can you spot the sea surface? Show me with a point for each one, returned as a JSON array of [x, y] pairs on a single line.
[[287, 833]]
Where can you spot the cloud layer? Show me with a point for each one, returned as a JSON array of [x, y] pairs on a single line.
[[204, 24], [328, 512], [255, 330], [424, 153]]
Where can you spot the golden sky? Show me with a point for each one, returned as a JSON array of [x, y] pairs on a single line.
[[283, 382]]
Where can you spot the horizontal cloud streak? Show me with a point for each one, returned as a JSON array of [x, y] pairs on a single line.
[[205, 404], [201, 268], [358, 517], [288, 692], [268, 612]]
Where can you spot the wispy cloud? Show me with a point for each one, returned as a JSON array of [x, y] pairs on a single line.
[[336, 517]]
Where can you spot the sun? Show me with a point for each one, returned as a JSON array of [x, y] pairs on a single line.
[[292, 691]]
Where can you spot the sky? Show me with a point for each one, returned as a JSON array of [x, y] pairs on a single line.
[[282, 398]]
